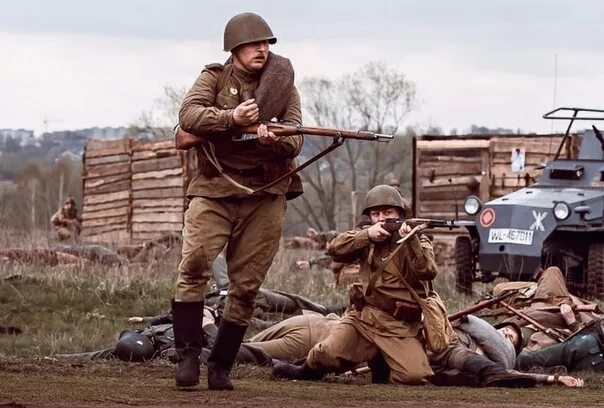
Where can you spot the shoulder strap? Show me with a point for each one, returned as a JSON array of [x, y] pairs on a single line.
[[376, 275]]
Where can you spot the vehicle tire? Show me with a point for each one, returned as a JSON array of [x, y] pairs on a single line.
[[464, 264], [595, 271]]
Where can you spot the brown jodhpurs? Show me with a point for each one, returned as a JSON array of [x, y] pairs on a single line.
[[250, 227], [346, 347]]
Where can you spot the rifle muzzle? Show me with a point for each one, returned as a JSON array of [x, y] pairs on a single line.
[[383, 138]]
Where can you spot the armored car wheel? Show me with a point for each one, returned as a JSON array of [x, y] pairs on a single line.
[[595, 271], [464, 264]]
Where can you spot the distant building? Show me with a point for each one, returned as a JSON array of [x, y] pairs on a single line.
[[23, 136]]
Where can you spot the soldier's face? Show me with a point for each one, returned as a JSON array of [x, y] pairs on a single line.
[[379, 214], [251, 56]]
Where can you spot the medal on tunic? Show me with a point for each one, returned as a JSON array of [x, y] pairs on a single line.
[[233, 91]]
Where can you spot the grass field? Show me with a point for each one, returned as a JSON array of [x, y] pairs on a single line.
[[64, 309]]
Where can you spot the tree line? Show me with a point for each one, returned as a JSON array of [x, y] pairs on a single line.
[[376, 97]]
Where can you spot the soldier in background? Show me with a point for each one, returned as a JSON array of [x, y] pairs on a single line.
[[66, 222]]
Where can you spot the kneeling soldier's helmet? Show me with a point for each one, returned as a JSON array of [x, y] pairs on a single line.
[[246, 28], [383, 196], [133, 346]]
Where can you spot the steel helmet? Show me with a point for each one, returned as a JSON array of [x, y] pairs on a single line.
[[134, 346], [246, 28], [383, 195]]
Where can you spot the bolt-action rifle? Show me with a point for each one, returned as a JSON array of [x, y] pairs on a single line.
[[479, 306], [185, 140], [551, 333], [394, 224]]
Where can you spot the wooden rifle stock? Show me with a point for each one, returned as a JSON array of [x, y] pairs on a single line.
[[551, 333], [185, 140], [478, 306]]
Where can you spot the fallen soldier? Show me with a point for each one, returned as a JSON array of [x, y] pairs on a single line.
[[484, 356], [550, 305], [581, 352]]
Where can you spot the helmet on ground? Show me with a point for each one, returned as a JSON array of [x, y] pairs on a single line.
[[134, 346], [383, 196], [246, 28]]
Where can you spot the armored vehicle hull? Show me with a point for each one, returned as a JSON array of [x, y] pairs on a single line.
[[557, 221]]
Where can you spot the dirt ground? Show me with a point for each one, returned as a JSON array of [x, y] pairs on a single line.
[[48, 383]]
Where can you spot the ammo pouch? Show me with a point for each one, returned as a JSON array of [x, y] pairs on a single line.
[[407, 311]]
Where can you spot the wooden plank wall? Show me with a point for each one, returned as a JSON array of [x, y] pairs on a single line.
[[107, 179], [446, 172], [133, 190], [448, 169], [157, 189], [538, 150]]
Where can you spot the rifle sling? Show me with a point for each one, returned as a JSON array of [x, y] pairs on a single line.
[[211, 155]]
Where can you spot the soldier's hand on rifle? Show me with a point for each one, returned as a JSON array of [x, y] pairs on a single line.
[[246, 113], [135, 319], [377, 233], [404, 229], [265, 136], [567, 314]]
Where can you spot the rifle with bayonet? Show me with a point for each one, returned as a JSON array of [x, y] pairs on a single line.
[[394, 224], [185, 140]]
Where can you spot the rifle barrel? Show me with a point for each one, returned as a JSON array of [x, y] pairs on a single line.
[[478, 306]]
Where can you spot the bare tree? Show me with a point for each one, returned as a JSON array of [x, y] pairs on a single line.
[[160, 119], [376, 98], [380, 98]]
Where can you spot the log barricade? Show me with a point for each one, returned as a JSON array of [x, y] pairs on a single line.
[[133, 189]]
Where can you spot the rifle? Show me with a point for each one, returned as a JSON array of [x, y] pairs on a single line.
[[551, 333], [394, 224], [434, 223], [576, 308], [185, 140], [479, 306]]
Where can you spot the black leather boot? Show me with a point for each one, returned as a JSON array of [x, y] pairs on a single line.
[[380, 371], [296, 372], [222, 357], [186, 320], [493, 375]]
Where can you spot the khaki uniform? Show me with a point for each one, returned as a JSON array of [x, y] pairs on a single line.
[[363, 333], [293, 338], [66, 223], [221, 213], [550, 290]]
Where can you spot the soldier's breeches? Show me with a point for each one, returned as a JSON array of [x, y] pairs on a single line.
[[581, 353], [293, 345], [251, 227], [346, 347]]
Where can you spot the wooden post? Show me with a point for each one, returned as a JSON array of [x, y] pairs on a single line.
[[61, 182], [33, 203], [485, 181], [353, 208]]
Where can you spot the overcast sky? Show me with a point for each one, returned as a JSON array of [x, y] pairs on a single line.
[[100, 63]]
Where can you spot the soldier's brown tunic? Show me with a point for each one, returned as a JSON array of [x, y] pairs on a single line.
[[221, 213], [363, 333]]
